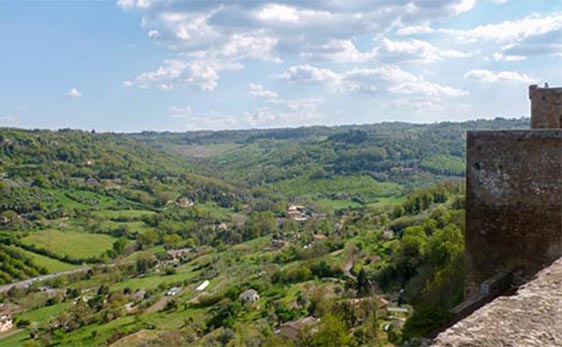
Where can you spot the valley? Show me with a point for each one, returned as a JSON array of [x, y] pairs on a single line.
[[351, 233]]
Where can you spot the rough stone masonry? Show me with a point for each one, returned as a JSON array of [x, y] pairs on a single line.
[[514, 196]]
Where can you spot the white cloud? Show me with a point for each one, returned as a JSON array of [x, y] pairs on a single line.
[[517, 39], [512, 31], [338, 51], [277, 12], [204, 74], [415, 30], [388, 77], [235, 31], [259, 90], [504, 57], [74, 93], [253, 45], [398, 81], [279, 113], [463, 6], [487, 76], [309, 74], [416, 50], [134, 4]]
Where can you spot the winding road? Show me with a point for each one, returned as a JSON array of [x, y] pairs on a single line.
[[26, 283]]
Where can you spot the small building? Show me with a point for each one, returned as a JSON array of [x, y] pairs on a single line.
[[176, 254], [6, 322], [202, 286], [173, 291], [292, 329], [296, 208], [184, 202], [250, 296], [297, 213]]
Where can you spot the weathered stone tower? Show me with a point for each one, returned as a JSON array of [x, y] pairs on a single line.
[[546, 107], [514, 197]]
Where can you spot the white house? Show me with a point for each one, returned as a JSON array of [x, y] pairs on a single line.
[[250, 296], [6, 322]]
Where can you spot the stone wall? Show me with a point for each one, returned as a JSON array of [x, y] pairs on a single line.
[[546, 107], [514, 203], [530, 318]]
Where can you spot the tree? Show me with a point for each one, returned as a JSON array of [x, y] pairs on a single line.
[[332, 332], [362, 282], [119, 246], [147, 238]]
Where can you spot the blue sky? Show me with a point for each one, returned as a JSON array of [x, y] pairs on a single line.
[[135, 65]]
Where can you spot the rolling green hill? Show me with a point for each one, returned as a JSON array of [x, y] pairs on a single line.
[[325, 222]]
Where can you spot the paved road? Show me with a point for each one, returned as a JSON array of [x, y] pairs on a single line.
[[29, 281]]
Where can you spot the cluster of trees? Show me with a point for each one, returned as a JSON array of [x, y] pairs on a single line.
[[424, 198], [428, 267], [16, 265]]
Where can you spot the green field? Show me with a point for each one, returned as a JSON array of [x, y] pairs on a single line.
[[14, 338], [338, 204], [363, 185], [216, 211], [73, 244], [52, 265]]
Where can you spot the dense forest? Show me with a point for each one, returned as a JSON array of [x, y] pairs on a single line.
[[350, 236]]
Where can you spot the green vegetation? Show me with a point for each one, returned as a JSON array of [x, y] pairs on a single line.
[[50, 264], [69, 244], [339, 224]]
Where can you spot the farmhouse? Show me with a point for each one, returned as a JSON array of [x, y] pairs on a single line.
[[250, 296], [297, 213], [176, 254], [292, 329], [6, 322]]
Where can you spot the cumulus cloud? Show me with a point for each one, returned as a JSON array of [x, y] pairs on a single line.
[[416, 50], [74, 93], [389, 77], [230, 33], [338, 51], [512, 31], [487, 76], [309, 74], [255, 89], [533, 35], [173, 73], [278, 113]]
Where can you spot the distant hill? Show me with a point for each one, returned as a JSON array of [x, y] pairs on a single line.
[[401, 153]]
